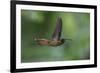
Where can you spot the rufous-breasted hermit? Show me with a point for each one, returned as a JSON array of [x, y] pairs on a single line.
[[56, 40]]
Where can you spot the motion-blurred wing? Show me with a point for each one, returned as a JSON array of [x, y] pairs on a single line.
[[58, 29]]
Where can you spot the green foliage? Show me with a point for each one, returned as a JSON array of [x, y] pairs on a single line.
[[76, 26]]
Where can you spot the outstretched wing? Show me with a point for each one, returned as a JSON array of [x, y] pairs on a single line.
[[58, 29]]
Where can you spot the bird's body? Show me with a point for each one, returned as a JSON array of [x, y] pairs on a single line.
[[42, 41], [49, 42], [56, 42]]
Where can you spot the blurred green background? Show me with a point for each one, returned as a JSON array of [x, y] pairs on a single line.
[[41, 24]]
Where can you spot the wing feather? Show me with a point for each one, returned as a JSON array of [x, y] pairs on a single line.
[[58, 29]]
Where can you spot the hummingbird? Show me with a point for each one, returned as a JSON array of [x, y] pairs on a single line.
[[56, 40]]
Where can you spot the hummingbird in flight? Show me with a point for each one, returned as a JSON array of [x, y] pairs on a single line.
[[56, 37]]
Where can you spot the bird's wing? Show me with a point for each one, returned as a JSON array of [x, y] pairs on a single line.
[[58, 29]]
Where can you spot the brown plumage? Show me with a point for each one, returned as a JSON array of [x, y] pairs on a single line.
[[55, 41]]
